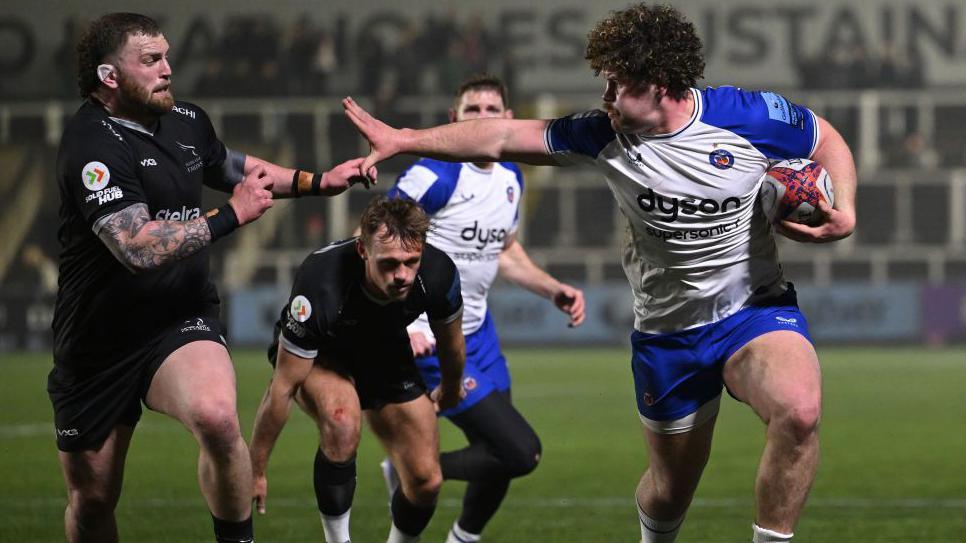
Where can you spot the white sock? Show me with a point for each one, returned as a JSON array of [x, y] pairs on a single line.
[[459, 535], [396, 536], [764, 535], [336, 528], [658, 531]]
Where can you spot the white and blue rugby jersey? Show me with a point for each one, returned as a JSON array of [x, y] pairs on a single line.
[[472, 212], [699, 248]]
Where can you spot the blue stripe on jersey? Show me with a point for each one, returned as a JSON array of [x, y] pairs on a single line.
[[778, 128], [396, 192], [437, 196], [584, 133]]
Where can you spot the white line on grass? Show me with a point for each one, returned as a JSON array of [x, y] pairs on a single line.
[[534, 503]]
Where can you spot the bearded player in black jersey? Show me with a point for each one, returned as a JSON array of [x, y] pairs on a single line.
[[136, 316], [342, 348]]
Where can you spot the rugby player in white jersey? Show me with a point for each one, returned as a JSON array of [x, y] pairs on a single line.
[[711, 305], [474, 208]]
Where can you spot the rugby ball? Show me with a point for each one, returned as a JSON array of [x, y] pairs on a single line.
[[791, 190]]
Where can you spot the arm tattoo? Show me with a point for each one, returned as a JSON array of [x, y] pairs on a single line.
[[142, 244]]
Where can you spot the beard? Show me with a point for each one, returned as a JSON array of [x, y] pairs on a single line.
[[141, 101]]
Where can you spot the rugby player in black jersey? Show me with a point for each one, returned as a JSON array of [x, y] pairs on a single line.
[[342, 349], [136, 316]]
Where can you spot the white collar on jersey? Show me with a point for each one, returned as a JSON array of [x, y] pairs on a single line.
[[132, 125]]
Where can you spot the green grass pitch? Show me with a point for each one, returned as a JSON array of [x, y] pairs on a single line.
[[893, 465]]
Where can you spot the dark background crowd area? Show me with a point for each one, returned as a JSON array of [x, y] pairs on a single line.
[[258, 56]]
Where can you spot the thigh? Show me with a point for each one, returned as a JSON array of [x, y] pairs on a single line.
[[384, 374], [496, 422], [774, 371], [330, 398], [89, 405], [680, 458], [410, 435], [196, 377], [99, 472], [677, 380]]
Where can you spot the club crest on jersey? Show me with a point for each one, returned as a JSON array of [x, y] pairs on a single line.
[[509, 194], [301, 309], [95, 176], [721, 159], [469, 384]]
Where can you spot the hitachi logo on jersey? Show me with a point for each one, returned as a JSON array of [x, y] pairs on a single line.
[[483, 235], [184, 111], [183, 214], [673, 207]]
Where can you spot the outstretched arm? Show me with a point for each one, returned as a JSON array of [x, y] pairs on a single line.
[[451, 350], [482, 140], [289, 183], [142, 244], [516, 266], [290, 372], [839, 221]]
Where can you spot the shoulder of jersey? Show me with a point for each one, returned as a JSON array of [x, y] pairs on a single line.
[[442, 169], [333, 251], [728, 103], [432, 256], [90, 126], [512, 166]]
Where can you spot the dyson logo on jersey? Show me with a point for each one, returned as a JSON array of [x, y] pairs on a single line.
[[483, 235], [183, 214], [674, 207]]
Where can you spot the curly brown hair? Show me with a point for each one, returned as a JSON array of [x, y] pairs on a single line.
[[404, 220], [648, 44], [104, 38]]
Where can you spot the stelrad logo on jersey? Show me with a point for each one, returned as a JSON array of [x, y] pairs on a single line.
[[183, 214]]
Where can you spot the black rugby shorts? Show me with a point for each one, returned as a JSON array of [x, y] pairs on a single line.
[[89, 403]]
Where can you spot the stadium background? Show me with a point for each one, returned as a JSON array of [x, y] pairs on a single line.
[[887, 306]]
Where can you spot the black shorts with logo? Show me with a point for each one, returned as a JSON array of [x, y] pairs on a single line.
[[88, 404], [382, 372]]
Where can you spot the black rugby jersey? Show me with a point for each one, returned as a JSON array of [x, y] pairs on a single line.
[[328, 306], [103, 166]]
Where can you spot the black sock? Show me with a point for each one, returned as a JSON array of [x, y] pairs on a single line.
[[480, 503], [409, 518], [335, 484], [233, 532]]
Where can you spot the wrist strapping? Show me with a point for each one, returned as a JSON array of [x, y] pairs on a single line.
[[221, 221], [306, 183]]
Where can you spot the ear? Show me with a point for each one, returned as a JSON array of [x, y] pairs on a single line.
[[107, 73], [452, 115], [361, 249], [508, 114]]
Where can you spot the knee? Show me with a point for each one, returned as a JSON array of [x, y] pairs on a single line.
[[423, 489], [523, 459], [340, 431], [215, 424], [800, 420], [92, 502]]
